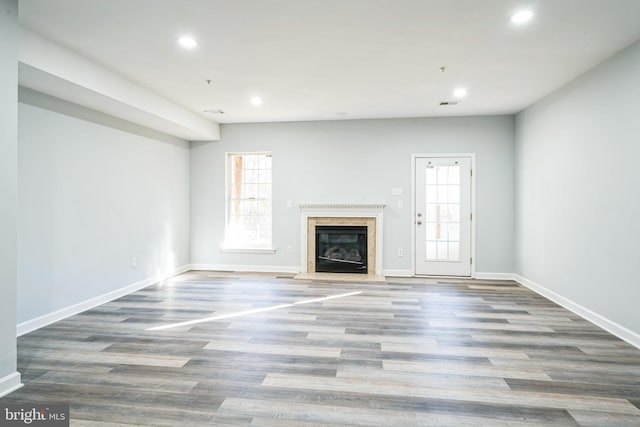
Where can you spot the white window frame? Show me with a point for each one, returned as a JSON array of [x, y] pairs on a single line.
[[233, 247]]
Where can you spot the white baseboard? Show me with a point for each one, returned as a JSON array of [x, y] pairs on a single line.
[[246, 268], [398, 273], [47, 319], [494, 276], [479, 276], [608, 325], [10, 383]]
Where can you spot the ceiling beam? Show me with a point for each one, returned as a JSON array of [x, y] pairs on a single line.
[[50, 68]]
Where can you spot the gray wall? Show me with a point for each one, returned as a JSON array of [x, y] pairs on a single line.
[[8, 183], [578, 208], [94, 193], [355, 161]]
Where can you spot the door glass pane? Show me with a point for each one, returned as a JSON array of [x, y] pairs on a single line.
[[431, 174], [443, 174], [453, 193], [454, 174], [454, 250], [431, 250], [431, 210], [454, 212], [442, 213], [432, 231], [443, 251], [442, 193], [432, 194]]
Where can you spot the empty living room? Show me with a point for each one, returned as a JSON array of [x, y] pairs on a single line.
[[319, 213]]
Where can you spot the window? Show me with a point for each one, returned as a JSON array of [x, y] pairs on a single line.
[[248, 201]]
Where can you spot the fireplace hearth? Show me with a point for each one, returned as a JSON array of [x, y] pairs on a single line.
[[341, 249]]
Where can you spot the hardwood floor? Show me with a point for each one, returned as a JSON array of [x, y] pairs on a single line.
[[271, 351]]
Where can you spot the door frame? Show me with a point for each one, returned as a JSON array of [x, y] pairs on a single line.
[[472, 242]]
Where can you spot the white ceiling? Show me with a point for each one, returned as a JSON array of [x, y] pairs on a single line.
[[341, 59]]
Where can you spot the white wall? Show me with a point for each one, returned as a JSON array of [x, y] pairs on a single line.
[[8, 187], [94, 192], [356, 161], [578, 203]]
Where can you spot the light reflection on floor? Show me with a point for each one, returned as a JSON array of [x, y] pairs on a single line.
[[252, 311]]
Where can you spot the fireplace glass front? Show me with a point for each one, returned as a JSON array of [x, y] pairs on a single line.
[[341, 249]]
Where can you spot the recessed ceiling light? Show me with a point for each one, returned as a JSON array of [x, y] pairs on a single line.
[[256, 100], [460, 92], [187, 42], [521, 17]]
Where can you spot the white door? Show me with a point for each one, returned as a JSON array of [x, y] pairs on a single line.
[[442, 217]]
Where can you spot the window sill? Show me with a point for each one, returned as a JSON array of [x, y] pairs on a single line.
[[248, 250]]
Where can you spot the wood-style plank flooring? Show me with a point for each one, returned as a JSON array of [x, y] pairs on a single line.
[[409, 352]]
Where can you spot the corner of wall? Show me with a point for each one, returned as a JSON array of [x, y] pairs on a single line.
[[608, 325], [10, 383], [9, 378], [55, 316]]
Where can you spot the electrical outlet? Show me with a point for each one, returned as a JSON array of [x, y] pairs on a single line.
[[134, 262], [289, 203], [289, 250], [400, 204], [400, 252]]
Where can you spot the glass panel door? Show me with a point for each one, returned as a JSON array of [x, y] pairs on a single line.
[[443, 216]]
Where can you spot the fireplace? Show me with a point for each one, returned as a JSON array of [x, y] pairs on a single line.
[[341, 249], [338, 216]]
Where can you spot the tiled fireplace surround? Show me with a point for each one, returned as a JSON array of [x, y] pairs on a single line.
[[369, 215]]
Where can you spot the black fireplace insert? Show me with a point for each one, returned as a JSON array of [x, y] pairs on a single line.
[[341, 249]]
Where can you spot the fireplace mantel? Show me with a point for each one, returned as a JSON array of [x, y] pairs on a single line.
[[342, 210], [341, 206]]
